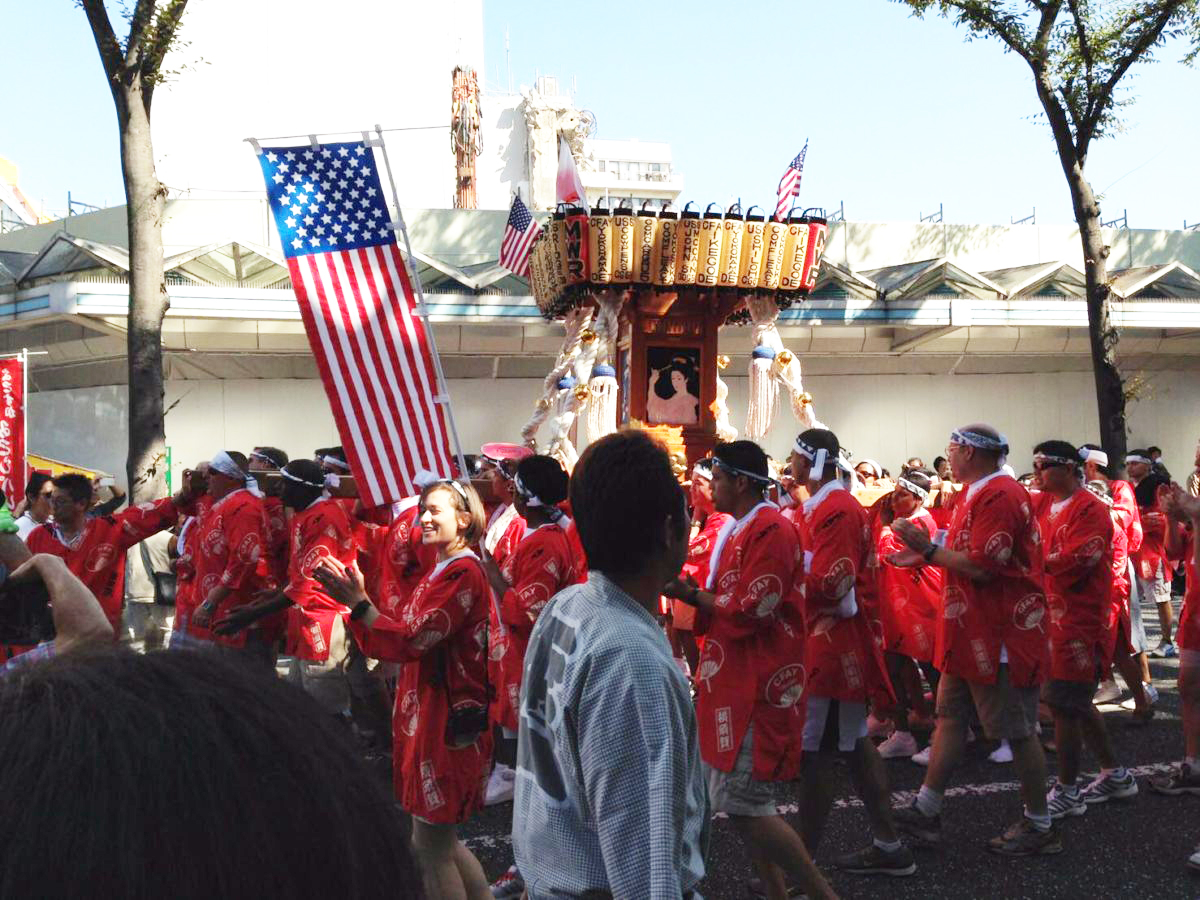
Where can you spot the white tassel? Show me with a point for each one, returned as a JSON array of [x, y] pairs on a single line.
[[560, 426], [764, 392], [602, 405], [725, 430], [789, 376]]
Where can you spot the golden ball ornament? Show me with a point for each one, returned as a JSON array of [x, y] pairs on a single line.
[[805, 399], [587, 336], [582, 392], [723, 362], [784, 358]]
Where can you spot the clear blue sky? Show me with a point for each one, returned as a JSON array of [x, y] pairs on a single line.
[[901, 114]]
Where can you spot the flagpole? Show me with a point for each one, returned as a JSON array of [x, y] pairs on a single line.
[[443, 397], [25, 415]]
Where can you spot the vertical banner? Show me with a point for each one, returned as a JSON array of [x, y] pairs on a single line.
[[12, 429]]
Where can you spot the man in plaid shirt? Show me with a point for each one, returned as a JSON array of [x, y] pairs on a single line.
[[610, 800]]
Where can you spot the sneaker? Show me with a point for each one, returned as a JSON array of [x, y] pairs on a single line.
[[1194, 860], [1165, 650], [500, 785], [1108, 787], [922, 758], [1061, 802], [1184, 780], [1151, 693], [901, 743], [923, 830], [1026, 839], [878, 728], [1108, 692], [873, 860], [509, 885], [1002, 754]]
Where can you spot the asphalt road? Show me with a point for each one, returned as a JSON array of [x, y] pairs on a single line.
[[1119, 849]]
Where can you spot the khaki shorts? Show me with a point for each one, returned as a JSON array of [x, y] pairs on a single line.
[[1006, 712], [738, 793], [1072, 699], [342, 674]]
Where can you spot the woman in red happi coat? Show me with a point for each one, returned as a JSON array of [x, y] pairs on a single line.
[[441, 739]]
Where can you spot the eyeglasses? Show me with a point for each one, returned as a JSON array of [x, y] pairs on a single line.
[[1042, 465]]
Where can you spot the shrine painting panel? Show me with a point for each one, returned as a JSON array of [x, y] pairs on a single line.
[[673, 391]]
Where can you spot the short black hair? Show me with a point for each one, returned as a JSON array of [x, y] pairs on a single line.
[[937, 462], [78, 487], [1140, 451], [34, 486], [299, 496], [744, 455], [1146, 490], [1153, 449], [186, 749], [1055, 447], [622, 492], [278, 458], [922, 478], [544, 476], [239, 459], [823, 439]]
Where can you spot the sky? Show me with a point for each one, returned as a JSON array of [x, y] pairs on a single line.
[[901, 115]]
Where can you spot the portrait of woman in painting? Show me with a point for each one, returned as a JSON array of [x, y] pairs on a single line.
[[673, 395]]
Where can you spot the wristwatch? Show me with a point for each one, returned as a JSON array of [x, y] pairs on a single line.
[[928, 552], [360, 610]]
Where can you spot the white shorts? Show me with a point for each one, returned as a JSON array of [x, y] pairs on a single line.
[[851, 724]]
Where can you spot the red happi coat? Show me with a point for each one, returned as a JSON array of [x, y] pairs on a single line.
[[1077, 564], [319, 533], [543, 565], [909, 598], [1153, 553], [504, 532], [1118, 608], [226, 544], [1128, 516], [995, 527], [185, 565], [404, 559], [97, 554], [751, 669], [501, 539], [441, 637], [1187, 633], [699, 555], [272, 569], [844, 656]]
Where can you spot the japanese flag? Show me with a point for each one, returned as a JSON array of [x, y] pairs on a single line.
[[570, 188]]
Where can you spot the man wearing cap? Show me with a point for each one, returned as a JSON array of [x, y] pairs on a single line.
[[228, 541], [846, 669], [750, 682], [95, 547], [991, 645], [1077, 536]]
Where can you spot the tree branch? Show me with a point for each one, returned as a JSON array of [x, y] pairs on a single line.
[[106, 42], [1085, 45], [1147, 38]]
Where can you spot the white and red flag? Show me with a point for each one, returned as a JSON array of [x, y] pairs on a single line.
[[789, 185], [372, 348], [569, 186]]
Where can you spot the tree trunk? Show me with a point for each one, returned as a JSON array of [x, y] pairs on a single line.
[[145, 200], [1102, 336]]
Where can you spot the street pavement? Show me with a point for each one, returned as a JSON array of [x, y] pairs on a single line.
[[1135, 848]]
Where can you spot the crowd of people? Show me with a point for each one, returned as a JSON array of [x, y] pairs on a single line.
[[623, 659]]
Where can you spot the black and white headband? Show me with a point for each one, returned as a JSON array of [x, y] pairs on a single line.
[[913, 488]]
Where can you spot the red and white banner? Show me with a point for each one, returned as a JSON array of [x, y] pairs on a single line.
[[12, 429]]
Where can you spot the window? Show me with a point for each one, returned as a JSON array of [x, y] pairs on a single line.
[[600, 165]]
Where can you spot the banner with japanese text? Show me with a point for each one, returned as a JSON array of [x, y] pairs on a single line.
[[12, 430]]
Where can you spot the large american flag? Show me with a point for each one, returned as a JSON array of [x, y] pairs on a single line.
[[789, 185], [357, 303], [519, 235]]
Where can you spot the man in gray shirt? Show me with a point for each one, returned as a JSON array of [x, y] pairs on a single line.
[[610, 800]]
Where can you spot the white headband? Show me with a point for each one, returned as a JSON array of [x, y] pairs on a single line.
[[533, 500], [982, 442], [324, 483], [336, 463], [1137, 457], [876, 469], [1099, 457], [701, 473], [914, 489], [764, 480], [223, 463], [1056, 460], [816, 457]]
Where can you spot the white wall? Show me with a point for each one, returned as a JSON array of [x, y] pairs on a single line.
[[885, 417]]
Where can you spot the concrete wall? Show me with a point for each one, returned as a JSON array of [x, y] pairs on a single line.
[[885, 417]]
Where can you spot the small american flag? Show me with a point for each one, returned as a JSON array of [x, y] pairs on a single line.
[[789, 185], [519, 235], [360, 314]]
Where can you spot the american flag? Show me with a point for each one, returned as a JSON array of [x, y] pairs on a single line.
[[357, 303], [789, 185], [519, 235]]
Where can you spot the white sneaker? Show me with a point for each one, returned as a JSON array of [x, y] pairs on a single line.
[[1002, 754], [922, 758], [500, 785], [1151, 697], [1108, 692], [1194, 860], [877, 728], [901, 743]]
